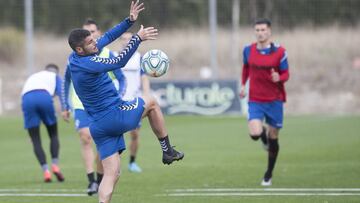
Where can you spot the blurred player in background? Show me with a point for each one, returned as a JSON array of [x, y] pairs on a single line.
[[80, 116], [135, 82], [37, 106], [266, 66], [110, 116]]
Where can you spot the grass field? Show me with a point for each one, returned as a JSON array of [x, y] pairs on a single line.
[[316, 152]]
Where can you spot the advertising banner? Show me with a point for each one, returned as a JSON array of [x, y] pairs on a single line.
[[198, 97]]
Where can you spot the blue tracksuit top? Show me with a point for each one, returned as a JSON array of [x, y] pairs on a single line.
[[89, 73], [65, 90]]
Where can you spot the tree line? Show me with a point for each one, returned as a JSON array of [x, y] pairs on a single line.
[[60, 16]]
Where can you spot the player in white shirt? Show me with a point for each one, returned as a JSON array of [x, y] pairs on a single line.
[[37, 105], [136, 83]]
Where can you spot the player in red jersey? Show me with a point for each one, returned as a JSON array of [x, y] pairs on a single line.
[[266, 67]]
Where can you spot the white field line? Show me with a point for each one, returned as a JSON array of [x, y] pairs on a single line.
[[17, 192], [41, 195], [41, 190], [266, 190], [260, 194]]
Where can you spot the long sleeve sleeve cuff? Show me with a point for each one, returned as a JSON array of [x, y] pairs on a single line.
[[128, 21]]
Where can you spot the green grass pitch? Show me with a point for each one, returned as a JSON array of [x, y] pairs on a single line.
[[315, 152]]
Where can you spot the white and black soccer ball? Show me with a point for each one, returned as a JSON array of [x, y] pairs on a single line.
[[155, 63]]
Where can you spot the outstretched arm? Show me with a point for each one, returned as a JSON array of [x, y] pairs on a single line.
[[118, 30], [97, 64], [135, 9], [114, 33]]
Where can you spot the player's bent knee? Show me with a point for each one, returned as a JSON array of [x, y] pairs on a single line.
[[150, 101], [85, 140]]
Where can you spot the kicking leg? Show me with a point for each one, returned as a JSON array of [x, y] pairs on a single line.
[[111, 166], [157, 123], [155, 116]]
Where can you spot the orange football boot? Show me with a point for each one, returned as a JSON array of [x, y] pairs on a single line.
[[56, 170], [47, 176]]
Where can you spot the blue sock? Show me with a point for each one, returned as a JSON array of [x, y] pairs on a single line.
[[45, 167]]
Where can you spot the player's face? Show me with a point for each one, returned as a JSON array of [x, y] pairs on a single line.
[[262, 33], [89, 47], [93, 29]]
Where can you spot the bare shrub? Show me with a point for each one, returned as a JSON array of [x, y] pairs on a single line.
[[11, 41]]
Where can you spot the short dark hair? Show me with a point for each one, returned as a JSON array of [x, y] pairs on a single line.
[[52, 67], [90, 21], [263, 21], [77, 37]]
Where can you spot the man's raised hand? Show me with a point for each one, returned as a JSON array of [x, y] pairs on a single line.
[[135, 9], [148, 33]]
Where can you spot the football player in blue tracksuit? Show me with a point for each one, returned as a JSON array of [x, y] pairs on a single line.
[[73, 103], [110, 116]]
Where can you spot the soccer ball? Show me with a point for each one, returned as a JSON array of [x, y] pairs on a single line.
[[155, 63]]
